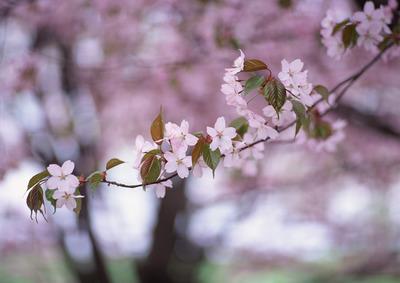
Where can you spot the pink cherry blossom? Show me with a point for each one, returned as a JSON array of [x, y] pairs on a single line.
[[178, 162], [160, 188], [179, 135], [62, 178], [141, 147], [286, 114], [369, 36], [233, 158], [65, 198], [221, 135], [255, 151], [290, 71], [238, 64], [200, 167]]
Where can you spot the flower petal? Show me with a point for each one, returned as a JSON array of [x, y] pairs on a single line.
[[72, 180], [187, 161], [160, 191], [52, 182], [68, 167], [197, 171], [171, 166], [220, 124], [60, 202], [182, 171], [230, 132], [184, 126], [70, 203], [169, 156], [58, 194], [191, 139], [64, 186], [211, 131], [54, 170], [215, 143]]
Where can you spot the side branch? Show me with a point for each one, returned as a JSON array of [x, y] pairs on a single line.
[[346, 84]]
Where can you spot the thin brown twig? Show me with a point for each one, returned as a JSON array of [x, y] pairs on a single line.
[[348, 82]]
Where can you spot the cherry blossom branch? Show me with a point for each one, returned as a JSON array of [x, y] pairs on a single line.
[[348, 82]]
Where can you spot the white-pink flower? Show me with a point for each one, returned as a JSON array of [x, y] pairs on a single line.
[[141, 146], [263, 131], [368, 15], [295, 80], [286, 114], [62, 178], [160, 188], [238, 64], [221, 135], [233, 157], [180, 136], [178, 162], [256, 151], [199, 167], [335, 46], [291, 71], [369, 36], [66, 198]]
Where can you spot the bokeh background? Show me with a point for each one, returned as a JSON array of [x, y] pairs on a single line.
[[80, 79]]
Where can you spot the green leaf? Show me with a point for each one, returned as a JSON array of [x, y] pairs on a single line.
[[150, 153], [275, 94], [349, 36], [323, 91], [49, 197], [95, 179], [211, 158], [241, 125], [339, 26], [322, 130], [157, 129], [113, 162], [150, 169], [35, 201], [198, 150], [253, 83], [300, 112], [198, 134], [37, 178], [253, 65]]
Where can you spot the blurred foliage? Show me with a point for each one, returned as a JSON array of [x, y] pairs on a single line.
[[213, 273]]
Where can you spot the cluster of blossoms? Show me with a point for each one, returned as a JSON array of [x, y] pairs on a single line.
[[63, 184], [174, 151], [367, 29], [292, 88], [291, 102]]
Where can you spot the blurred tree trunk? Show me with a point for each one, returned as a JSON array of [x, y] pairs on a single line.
[[87, 161], [172, 257]]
